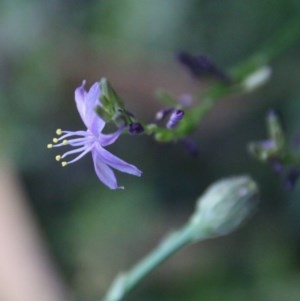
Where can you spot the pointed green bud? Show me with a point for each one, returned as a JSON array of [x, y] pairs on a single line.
[[111, 95], [112, 107], [263, 150], [106, 116], [224, 206], [275, 129], [275, 145], [256, 79]]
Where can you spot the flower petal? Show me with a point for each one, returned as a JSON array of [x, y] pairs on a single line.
[[108, 139], [80, 97], [86, 104], [104, 172], [92, 100], [117, 163]]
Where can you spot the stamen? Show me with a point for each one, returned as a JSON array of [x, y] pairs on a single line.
[[64, 163], [79, 156], [58, 132], [72, 134], [55, 140], [65, 142], [49, 145], [57, 158]]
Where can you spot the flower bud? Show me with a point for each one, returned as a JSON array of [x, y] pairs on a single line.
[[174, 119], [135, 128], [224, 206], [256, 79]]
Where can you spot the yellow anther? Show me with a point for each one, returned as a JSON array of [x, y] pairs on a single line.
[[65, 142], [64, 163], [49, 145], [57, 158], [55, 140], [58, 132]]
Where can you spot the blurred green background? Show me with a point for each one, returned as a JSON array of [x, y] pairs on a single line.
[[48, 47]]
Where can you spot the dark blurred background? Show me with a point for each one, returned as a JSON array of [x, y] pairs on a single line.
[[48, 47]]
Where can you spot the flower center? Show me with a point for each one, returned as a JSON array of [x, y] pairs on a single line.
[[82, 142]]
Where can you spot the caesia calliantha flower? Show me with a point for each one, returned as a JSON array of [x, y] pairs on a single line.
[[92, 140]]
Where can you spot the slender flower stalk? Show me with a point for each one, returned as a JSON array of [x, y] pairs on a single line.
[[222, 209], [92, 139], [244, 78]]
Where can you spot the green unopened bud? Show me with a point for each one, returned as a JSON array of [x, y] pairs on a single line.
[[111, 104], [263, 150], [112, 107], [275, 145], [108, 92], [224, 206], [257, 78], [275, 129]]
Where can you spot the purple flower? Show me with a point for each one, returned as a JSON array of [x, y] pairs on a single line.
[[92, 140]]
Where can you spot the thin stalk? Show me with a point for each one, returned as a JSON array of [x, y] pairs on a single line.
[[125, 282]]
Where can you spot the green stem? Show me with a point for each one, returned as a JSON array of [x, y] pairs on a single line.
[[269, 51], [127, 281]]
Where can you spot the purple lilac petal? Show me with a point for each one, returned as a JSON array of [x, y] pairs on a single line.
[[108, 139], [86, 103], [115, 162], [80, 96], [104, 172], [97, 125], [91, 101]]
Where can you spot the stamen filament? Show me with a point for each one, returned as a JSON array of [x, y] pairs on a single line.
[[80, 141], [70, 134], [74, 151], [80, 156]]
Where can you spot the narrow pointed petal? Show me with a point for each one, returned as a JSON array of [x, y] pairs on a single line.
[[108, 139], [104, 172], [117, 163], [86, 104], [80, 98], [92, 100], [97, 125]]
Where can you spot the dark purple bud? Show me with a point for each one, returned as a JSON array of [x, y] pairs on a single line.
[[135, 128], [201, 66], [274, 113], [175, 118], [163, 113], [276, 165], [291, 178], [190, 146]]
